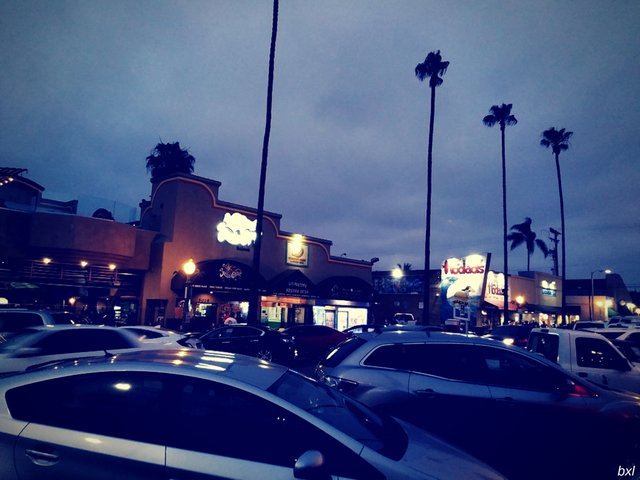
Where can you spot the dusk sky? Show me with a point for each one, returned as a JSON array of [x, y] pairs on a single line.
[[90, 87]]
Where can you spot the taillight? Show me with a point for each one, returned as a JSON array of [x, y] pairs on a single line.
[[577, 390]]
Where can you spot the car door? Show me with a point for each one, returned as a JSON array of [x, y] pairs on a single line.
[[219, 339], [97, 426], [220, 431], [248, 340], [598, 361], [540, 405], [447, 390]]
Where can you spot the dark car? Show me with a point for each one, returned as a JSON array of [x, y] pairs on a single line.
[[517, 335], [501, 403], [254, 340], [313, 341]]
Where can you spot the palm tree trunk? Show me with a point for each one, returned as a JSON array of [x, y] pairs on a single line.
[[564, 261], [254, 314], [427, 241], [504, 230]]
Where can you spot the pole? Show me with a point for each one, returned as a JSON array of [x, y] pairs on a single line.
[[592, 307]]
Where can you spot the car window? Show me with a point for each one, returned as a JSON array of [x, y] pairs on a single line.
[[389, 356], [546, 345], [246, 332], [219, 333], [62, 318], [596, 353], [634, 337], [81, 340], [204, 409], [342, 351], [451, 361], [509, 369], [123, 404], [141, 332]]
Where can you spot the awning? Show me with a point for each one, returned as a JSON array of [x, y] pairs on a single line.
[[345, 288], [219, 276], [292, 283]]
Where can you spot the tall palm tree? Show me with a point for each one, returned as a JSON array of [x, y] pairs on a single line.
[[167, 158], [558, 140], [433, 68], [254, 305], [501, 115], [523, 235]]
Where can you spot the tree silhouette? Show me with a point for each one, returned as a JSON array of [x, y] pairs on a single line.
[[523, 235], [102, 213], [168, 158], [501, 115], [433, 68], [558, 140], [254, 304]]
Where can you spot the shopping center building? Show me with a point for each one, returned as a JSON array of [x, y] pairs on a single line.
[[52, 257]]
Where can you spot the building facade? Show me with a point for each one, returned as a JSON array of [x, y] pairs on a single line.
[[132, 273]]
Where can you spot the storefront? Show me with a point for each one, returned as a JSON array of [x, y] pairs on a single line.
[[299, 280]]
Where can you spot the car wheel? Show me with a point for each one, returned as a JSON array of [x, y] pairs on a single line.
[[265, 354]]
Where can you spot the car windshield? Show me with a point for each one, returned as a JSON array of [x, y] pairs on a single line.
[[383, 435]]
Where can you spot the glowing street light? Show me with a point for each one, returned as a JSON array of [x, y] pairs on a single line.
[[397, 273], [189, 268]]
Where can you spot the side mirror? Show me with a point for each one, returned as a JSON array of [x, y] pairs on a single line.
[[310, 466]]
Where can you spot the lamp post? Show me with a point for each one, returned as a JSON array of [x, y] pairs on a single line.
[[520, 301], [189, 268], [592, 307]]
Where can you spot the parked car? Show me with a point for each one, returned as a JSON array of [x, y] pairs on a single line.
[[517, 335], [202, 414], [403, 319], [629, 321], [501, 403], [588, 355], [158, 336], [358, 329], [313, 341], [630, 349], [586, 324], [13, 320], [38, 345], [254, 340]]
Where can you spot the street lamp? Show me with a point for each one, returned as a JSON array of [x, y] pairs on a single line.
[[592, 307], [520, 301], [189, 269]]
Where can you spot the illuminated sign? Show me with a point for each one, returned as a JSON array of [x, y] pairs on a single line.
[[494, 291], [462, 286], [237, 229], [549, 289], [297, 254]]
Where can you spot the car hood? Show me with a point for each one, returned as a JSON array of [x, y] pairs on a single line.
[[429, 456]]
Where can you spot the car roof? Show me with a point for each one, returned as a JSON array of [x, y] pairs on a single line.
[[397, 335], [188, 361]]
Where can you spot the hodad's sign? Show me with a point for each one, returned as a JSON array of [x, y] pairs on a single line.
[[462, 286]]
